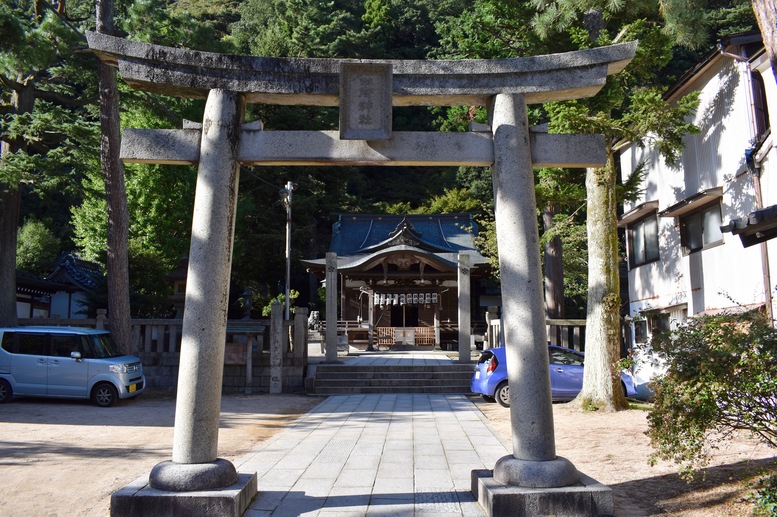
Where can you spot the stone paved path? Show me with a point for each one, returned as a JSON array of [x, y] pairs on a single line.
[[390, 454]]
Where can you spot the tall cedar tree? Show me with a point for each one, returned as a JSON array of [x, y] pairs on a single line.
[[47, 130], [117, 261]]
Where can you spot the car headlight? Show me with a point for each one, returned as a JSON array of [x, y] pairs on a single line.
[[118, 368]]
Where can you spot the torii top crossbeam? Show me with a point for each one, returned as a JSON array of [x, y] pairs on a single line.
[[316, 82]]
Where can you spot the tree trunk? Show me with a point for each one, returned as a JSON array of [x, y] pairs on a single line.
[[766, 15], [554, 269], [10, 202], [601, 378], [115, 193], [9, 224]]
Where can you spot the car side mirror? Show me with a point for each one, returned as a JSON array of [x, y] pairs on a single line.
[[76, 355]]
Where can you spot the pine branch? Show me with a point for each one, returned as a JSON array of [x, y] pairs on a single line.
[[10, 83], [60, 13], [63, 100]]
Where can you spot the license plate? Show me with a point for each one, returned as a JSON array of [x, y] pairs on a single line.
[[132, 388]]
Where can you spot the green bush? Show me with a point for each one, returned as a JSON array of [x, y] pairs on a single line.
[[721, 378], [281, 298], [766, 498]]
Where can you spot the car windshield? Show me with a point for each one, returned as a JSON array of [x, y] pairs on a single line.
[[104, 346]]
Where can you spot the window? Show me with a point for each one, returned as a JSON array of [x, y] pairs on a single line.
[[63, 345], [648, 324], [643, 241], [701, 229], [761, 112], [640, 331], [562, 357], [32, 344], [658, 323]]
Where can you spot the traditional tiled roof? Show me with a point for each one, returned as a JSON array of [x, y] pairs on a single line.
[[362, 233], [442, 237], [75, 271], [31, 284]]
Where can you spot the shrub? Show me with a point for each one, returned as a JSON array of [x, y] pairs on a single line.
[[766, 498], [721, 378]]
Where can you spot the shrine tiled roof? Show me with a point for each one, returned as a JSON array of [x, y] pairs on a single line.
[[75, 271], [360, 239], [355, 234], [31, 284]]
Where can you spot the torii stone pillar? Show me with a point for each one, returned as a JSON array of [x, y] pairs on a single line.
[[534, 462], [195, 465]]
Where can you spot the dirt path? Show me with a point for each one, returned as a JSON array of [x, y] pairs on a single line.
[[66, 458], [613, 449]]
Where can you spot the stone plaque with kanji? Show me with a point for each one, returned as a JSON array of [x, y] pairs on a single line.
[[365, 101]]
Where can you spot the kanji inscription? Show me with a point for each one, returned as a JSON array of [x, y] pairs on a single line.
[[365, 101]]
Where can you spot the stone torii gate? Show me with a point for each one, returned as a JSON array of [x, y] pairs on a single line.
[[365, 91]]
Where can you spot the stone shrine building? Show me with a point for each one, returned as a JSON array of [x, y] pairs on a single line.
[[397, 276]]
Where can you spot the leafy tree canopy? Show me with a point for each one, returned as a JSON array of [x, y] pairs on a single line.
[[37, 247]]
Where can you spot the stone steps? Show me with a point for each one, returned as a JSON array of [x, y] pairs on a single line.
[[345, 379]]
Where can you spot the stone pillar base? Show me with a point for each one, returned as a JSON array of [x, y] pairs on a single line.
[[586, 498], [192, 477], [138, 499]]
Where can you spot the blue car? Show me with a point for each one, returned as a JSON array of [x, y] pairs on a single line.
[[566, 376]]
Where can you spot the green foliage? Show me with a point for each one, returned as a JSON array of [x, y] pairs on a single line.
[[296, 28], [486, 243], [628, 107], [149, 287], [766, 498], [653, 122], [456, 200], [159, 201], [37, 247], [490, 29], [571, 229], [341, 28], [721, 378], [695, 23], [266, 304], [52, 134], [191, 24]]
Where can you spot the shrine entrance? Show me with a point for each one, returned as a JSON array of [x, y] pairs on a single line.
[[398, 279], [365, 92]]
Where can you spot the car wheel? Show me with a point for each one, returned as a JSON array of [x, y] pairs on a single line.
[[6, 392], [502, 394], [104, 394], [488, 399]]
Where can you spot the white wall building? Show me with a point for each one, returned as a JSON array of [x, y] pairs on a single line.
[[698, 240]]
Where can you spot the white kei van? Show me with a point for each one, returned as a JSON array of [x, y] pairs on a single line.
[[66, 362]]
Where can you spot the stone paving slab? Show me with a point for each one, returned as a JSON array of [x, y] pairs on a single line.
[[365, 455]]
